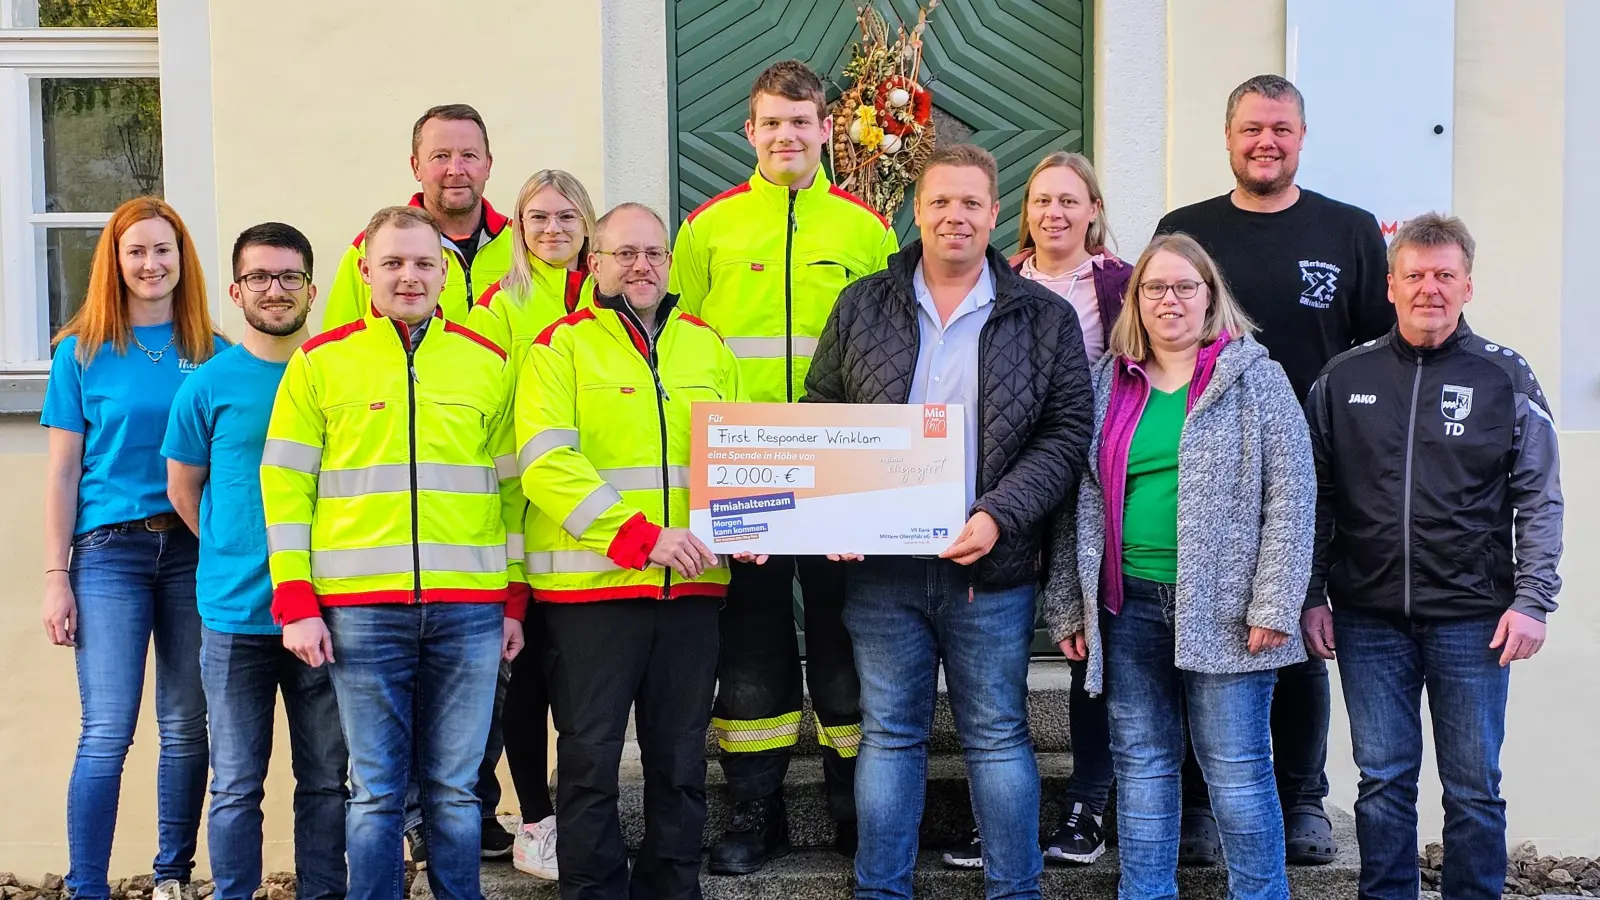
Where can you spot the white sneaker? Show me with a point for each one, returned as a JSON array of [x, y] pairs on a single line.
[[172, 890], [535, 852]]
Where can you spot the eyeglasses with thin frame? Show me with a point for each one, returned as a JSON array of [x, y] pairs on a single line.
[[1155, 290], [627, 256], [566, 220], [291, 280]]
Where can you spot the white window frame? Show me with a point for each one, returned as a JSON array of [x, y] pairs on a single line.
[[179, 53]]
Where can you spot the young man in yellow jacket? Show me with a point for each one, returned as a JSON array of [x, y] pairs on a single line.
[[451, 161], [394, 524], [763, 263], [629, 596]]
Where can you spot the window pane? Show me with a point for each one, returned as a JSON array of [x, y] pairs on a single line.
[[102, 141], [97, 13], [68, 254]]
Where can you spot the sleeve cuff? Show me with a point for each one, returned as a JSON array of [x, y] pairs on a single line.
[[1530, 607], [517, 596], [631, 547], [293, 601], [1315, 599]]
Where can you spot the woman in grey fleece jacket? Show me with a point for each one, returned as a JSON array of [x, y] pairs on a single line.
[[1194, 651]]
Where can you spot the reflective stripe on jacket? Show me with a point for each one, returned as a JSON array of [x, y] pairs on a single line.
[[348, 298], [764, 265], [389, 474], [603, 425]]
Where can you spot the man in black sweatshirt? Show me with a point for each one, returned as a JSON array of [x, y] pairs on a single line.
[[1311, 272]]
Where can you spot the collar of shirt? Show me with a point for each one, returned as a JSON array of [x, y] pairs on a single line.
[[981, 295]]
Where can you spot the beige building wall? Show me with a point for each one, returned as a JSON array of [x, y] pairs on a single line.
[[1508, 186], [313, 108]]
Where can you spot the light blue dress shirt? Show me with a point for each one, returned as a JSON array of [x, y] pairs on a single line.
[[947, 360]]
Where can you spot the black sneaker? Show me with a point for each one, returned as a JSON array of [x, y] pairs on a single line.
[[1080, 838], [496, 841], [758, 834], [419, 846], [968, 855]]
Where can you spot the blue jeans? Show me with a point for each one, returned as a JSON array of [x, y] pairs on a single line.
[[425, 674], [487, 786], [1151, 704], [1383, 667], [905, 616], [243, 674], [133, 585]]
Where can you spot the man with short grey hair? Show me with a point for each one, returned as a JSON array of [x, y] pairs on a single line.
[[1439, 519], [1309, 270]]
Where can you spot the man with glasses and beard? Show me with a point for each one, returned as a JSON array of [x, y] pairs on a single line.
[[1311, 272], [213, 447]]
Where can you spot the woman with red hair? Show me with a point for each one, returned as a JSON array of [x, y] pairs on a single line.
[[120, 564]]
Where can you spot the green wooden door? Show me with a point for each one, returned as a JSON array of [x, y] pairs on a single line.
[[1009, 75]]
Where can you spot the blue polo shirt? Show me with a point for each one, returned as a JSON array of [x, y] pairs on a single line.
[[119, 403], [219, 419]]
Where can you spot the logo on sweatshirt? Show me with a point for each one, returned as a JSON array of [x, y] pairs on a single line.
[[1456, 402], [1321, 283], [1365, 399]]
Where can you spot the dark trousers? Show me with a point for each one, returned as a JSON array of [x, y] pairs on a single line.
[[660, 658], [1091, 779], [759, 695], [1301, 709], [523, 721]]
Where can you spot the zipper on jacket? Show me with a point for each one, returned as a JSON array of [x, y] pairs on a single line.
[[1405, 541], [788, 298], [411, 429], [661, 417]]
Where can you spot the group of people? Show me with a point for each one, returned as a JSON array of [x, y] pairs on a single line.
[[462, 506]]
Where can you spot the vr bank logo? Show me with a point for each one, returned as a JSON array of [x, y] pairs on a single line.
[[941, 532]]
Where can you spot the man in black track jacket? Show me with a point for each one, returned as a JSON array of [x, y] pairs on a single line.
[[1439, 519]]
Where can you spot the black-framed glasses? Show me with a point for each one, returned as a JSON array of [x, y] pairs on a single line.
[[291, 280], [627, 256], [1155, 290], [566, 220]]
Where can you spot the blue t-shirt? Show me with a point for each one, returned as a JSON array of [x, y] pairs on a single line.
[[220, 420], [120, 405]]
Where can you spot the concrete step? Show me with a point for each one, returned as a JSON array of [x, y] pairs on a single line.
[[1049, 682], [823, 875], [946, 820]]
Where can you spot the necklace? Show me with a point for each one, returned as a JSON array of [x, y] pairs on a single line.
[[155, 355]]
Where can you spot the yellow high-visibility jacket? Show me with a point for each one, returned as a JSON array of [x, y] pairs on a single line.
[[763, 265], [349, 299], [603, 426], [389, 473], [513, 322]]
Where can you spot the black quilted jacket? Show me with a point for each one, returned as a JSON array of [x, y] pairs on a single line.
[[1036, 408]]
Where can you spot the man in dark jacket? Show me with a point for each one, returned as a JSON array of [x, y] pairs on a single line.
[[1438, 534], [948, 322]]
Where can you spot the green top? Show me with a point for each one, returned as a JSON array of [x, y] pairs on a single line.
[[1150, 510]]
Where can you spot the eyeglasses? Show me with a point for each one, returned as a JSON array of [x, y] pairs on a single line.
[[1155, 290], [566, 220], [627, 256], [292, 280]]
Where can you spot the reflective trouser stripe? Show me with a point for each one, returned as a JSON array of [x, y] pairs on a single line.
[[645, 478], [844, 739], [752, 735], [568, 562], [292, 455], [398, 559], [396, 477], [770, 347], [543, 443], [590, 509], [288, 536]]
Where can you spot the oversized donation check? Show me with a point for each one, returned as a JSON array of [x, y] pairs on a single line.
[[814, 478]]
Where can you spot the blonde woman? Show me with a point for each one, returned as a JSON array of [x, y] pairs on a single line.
[[1065, 244], [1183, 594]]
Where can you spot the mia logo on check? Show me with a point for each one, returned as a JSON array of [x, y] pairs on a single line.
[[1455, 402], [935, 423]]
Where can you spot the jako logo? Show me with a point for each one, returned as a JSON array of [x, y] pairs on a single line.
[[1367, 399], [935, 424]]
